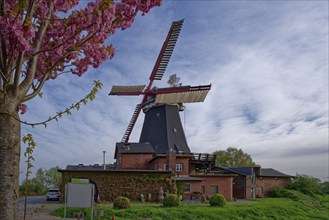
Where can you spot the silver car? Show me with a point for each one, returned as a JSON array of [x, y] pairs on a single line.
[[53, 194]]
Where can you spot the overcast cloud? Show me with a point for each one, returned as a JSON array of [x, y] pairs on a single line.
[[268, 66]]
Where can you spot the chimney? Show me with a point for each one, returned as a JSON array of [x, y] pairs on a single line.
[[171, 160]]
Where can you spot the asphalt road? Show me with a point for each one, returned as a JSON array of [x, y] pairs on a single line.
[[31, 200]]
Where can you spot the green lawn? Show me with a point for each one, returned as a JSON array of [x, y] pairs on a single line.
[[268, 208]]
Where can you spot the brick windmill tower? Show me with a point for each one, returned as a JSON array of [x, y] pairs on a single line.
[[162, 128]]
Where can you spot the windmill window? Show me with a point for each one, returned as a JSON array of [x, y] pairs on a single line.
[[157, 115], [175, 130]]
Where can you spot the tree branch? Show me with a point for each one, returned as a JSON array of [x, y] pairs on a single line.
[[18, 70], [36, 90], [25, 85]]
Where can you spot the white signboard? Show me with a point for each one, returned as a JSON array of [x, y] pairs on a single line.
[[79, 196]]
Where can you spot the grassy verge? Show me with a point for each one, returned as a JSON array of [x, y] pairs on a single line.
[[269, 208]]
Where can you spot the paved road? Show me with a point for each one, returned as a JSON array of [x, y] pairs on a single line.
[[34, 200]]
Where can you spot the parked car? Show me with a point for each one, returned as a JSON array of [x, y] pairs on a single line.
[[53, 194]]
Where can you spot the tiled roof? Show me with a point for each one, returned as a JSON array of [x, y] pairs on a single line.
[[94, 167], [243, 170], [272, 173], [188, 178]]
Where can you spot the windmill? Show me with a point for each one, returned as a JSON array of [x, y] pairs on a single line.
[[166, 100]]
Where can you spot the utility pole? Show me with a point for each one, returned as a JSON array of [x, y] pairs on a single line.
[[104, 159]]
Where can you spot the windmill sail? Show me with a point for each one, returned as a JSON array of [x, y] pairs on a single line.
[[184, 94], [166, 51], [127, 90], [132, 122]]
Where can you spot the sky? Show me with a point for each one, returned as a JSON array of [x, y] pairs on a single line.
[[267, 62]]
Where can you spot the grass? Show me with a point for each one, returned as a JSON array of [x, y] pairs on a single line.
[[266, 208]]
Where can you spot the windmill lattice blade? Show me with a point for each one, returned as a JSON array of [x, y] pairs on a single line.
[[127, 90], [186, 95], [132, 122], [166, 50]]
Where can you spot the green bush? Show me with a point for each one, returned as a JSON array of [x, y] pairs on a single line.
[[306, 184], [121, 203], [275, 193], [217, 200], [171, 200]]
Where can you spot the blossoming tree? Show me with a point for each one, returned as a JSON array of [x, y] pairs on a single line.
[[39, 40]]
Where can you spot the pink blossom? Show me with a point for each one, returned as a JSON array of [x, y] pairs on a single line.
[[22, 108], [71, 44]]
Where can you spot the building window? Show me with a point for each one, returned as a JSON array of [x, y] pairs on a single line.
[[164, 166], [186, 187], [203, 189], [155, 166], [213, 190], [179, 167]]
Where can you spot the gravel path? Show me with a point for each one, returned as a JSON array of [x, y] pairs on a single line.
[[39, 212]]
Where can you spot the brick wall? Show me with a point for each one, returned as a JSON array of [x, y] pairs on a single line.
[[223, 183], [270, 182], [135, 161], [185, 162]]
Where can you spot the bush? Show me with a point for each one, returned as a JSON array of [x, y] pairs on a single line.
[[275, 192], [121, 203], [171, 200], [306, 184], [217, 200]]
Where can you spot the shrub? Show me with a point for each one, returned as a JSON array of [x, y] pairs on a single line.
[[217, 200], [276, 193], [121, 203], [306, 184], [171, 200]]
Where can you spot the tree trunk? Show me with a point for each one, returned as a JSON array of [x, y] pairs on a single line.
[[10, 137]]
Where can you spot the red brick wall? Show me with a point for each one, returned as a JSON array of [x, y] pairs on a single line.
[[185, 162], [270, 182], [224, 184], [159, 163], [135, 161]]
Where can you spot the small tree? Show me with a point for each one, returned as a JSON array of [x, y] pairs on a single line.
[[53, 178], [233, 157]]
